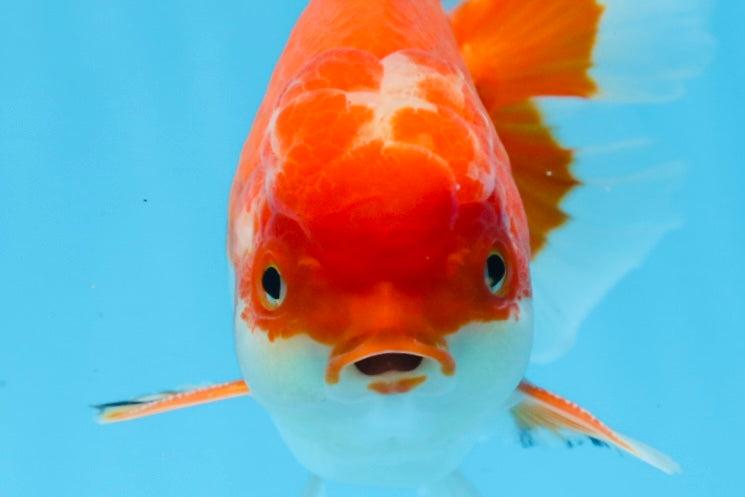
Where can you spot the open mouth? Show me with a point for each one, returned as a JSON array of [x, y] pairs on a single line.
[[381, 355], [388, 361]]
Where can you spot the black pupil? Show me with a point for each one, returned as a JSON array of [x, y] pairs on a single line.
[[272, 282], [495, 270]]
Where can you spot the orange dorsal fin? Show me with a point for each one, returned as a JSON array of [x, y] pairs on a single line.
[[561, 419], [169, 401], [516, 50]]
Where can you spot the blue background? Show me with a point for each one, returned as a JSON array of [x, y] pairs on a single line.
[[120, 127]]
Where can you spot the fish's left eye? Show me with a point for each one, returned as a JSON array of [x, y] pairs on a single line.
[[494, 271], [274, 287]]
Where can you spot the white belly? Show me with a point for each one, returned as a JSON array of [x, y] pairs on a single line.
[[347, 432]]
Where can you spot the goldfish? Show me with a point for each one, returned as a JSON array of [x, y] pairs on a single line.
[[402, 239]]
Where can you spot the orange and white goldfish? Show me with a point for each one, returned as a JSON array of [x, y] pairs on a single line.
[[399, 220]]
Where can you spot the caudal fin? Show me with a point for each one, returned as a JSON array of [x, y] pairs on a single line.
[[169, 401], [594, 208]]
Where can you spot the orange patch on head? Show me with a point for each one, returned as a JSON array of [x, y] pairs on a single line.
[[448, 136], [399, 386], [344, 69], [379, 296], [392, 199], [380, 201], [316, 129]]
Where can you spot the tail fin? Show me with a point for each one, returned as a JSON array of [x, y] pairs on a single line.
[[524, 55], [541, 410], [622, 50], [168, 401], [646, 50], [519, 49]]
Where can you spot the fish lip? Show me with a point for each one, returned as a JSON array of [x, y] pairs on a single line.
[[403, 385], [342, 357]]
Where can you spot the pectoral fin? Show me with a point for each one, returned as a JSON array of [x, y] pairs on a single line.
[[169, 401], [541, 412]]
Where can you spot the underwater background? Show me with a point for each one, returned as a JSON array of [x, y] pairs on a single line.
[[121, 123]]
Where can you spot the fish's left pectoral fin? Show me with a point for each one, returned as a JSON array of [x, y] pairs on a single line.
[[542, 415], [168, 401]]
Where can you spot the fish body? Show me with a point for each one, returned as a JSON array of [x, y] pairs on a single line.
[[397, 223], [378, 190]]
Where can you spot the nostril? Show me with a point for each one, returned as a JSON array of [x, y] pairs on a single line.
[[390, 361]]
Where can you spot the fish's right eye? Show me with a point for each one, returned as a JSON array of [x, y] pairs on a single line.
[[495, 271], [274, 288]]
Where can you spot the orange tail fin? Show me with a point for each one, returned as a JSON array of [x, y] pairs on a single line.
[[520, 49], [577, 194], [169, 401], [567, 421], [517, 50]]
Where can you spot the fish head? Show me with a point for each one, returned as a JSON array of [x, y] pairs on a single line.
[[381, 251]]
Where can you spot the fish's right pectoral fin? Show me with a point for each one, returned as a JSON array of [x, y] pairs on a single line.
[[169, 401]]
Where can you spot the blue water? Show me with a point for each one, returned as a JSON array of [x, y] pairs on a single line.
[[120, 127]]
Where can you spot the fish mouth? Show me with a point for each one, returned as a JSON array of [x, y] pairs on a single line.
[[388, 354], [388, 361]]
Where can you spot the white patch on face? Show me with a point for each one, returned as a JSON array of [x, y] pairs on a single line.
[[401, 76], [271, 133], [347, 432], [384, 108], [282, 374], [244, 230]]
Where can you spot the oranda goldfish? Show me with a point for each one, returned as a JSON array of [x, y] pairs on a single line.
[[401, 216]]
